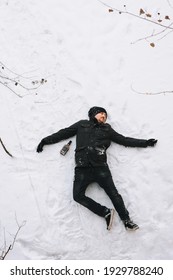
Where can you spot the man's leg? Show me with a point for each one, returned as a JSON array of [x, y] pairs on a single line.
[[104, 179], [83, 177]]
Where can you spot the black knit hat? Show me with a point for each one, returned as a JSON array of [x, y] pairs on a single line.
[[94, 111]]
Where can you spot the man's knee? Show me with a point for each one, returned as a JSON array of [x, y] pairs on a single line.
[[78, 197], [116, 194], [75, 197]]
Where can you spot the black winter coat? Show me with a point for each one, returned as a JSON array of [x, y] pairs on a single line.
[[92, 141]]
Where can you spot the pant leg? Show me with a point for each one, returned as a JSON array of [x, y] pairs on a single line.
[[84, 177], [104, 179]]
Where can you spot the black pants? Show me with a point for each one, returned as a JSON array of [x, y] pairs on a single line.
[[101, 175]]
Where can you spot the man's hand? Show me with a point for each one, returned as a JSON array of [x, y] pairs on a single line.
[[151, 142], [40, 147]]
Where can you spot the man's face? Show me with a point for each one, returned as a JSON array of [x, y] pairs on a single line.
[[101, 117]]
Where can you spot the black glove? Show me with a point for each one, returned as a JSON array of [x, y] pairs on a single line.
[[40, 147], [151, 142]]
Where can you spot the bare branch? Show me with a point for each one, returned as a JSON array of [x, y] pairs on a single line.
[[18, 83], [151, 93], [11, 82], [5, 148], [11, 246], [135, 15]]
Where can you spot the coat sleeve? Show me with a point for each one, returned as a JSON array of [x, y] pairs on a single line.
[[127, 141], [62, 134]]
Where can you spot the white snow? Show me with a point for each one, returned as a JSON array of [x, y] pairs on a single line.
[[88, 56]]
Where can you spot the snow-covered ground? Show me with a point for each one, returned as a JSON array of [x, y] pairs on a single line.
[[78, 55]]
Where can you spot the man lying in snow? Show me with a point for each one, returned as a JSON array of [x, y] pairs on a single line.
[[93, 137]]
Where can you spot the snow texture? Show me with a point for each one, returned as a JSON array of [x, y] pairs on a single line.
[[87, 56]]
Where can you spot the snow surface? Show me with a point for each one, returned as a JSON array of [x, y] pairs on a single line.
[[88, 56]]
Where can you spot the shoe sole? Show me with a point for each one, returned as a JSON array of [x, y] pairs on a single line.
[[132, 229], [111, 219]]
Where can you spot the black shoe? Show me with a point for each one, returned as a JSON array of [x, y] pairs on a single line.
[[109, 218], [129, 225]]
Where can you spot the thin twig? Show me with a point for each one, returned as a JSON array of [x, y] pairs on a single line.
[[21, 96], [165, 35], [154, 35], [16, 74], [18, 83], [151, 93], [5, 148], [17, 232], [6, 252], [147, 37], [5, 85]]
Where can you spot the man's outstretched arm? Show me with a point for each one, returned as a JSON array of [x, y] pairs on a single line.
[[131, 142], [62, 134]]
